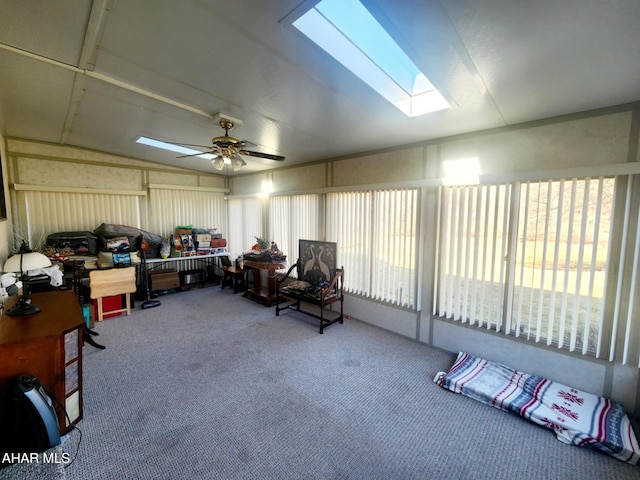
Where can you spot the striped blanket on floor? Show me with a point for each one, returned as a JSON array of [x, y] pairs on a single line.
[[576, 417]]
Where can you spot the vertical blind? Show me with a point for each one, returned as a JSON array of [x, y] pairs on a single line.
[[473, 243], [539, 261], [200, 208], [560, 260], [625, 337], [50, 212], [349, 224], [292, 218], [245, 223], [394, 246], [376, 236]]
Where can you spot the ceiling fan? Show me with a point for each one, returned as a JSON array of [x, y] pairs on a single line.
[[227, 150]]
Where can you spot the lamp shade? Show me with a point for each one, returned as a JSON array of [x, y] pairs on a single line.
[[218, 162], [23, 262], [237, 163]]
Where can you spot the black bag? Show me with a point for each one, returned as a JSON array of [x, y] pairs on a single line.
[[108, 230], [82, 243]]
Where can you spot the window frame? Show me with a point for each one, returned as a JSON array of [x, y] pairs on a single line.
[[513, 265], [364, 219]]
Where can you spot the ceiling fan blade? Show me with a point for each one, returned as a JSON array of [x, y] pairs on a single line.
[[268, 156], [188, 144], [195, 154]]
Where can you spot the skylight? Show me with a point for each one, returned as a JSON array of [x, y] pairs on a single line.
[[349, 33], [171, 147]]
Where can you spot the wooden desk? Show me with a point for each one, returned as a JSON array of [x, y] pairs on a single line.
[[264, 293], [47, 345]]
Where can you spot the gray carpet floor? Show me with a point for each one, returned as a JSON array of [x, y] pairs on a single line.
[[211, 385]]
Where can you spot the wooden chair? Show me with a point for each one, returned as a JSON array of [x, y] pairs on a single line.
[[332, 292], [234, 277], [108, 283]]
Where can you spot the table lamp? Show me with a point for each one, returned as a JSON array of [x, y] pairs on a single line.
[[21, 263]]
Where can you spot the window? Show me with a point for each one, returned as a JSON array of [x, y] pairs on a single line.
[[176, 206], [245, 223], [528, 259], [151, 142], [57, 211], [473, 245], [292, 218], [560, 261], [349, 33], [349, 224], [376, 236]]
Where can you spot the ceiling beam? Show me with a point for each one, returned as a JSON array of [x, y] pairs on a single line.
[[107, 79]]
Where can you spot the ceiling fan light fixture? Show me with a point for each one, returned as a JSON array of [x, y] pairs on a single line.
[[218, 162], [223, 151], [237, 163]]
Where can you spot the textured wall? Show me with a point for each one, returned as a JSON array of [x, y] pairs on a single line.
[[573, 141], [57, 188]]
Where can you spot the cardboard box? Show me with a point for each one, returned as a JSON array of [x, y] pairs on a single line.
[[164, 279], [203, 238], [218, 242]]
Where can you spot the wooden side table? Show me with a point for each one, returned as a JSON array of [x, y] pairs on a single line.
[[47, 345], [260, 292]]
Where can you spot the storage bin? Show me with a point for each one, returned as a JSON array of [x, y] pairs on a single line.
[[190, 277], [165, 279]]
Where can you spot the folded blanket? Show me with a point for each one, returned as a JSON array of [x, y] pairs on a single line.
[[576, 417]]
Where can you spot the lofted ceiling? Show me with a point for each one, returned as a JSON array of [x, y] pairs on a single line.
[[99, 74]]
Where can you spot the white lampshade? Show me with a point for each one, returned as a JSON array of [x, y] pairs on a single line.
[[218, 162], [23, 262], [237, 163]]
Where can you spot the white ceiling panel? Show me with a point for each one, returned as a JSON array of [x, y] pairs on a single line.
[[54, 30], [39, 112], [574, 55], [99, 74]]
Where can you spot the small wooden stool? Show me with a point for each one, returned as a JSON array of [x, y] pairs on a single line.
[[234, 277]]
